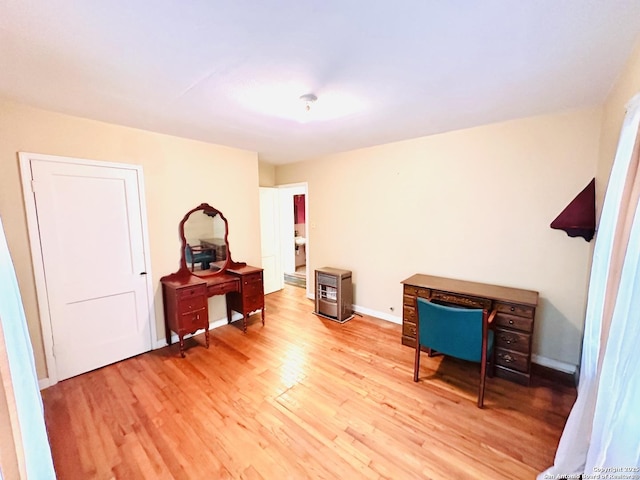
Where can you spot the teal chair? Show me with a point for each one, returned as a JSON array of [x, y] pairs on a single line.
[[196, 254], [457, 332]]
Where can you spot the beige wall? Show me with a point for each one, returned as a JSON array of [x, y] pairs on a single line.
[[473, 204], [267, 174], [179, 175], [627, 85]]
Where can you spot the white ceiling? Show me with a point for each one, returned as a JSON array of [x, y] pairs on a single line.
[[232, 71]]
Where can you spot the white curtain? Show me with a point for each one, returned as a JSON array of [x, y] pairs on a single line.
[[603, 428], [35, 452]]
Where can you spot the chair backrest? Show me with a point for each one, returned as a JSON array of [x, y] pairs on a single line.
[[188, 253], [454, 331]]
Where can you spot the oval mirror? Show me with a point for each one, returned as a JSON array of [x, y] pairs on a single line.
[[205, 249]]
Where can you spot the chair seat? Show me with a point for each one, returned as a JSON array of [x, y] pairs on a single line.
[[457, 332]]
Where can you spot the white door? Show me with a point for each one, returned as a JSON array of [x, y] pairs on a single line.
[[270, 234], [89, 220]]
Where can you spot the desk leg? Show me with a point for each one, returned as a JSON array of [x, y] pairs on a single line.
[[206, 336], [262, 316], [244, 322]]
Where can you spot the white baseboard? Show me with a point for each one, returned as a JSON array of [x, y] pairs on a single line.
[[377, 314], [554, 364], [540, 360], [44, 383]]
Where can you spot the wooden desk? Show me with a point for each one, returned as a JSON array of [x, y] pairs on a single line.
[[185, 299], [218, 246], [513, 323]]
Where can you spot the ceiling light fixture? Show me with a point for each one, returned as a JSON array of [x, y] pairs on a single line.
[[308, 99]]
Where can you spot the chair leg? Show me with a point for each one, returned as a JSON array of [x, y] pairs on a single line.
[[416, 366], [483, 374]]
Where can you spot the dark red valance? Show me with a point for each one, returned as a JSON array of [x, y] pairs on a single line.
[[578, 219]]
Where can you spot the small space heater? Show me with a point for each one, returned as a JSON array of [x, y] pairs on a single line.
[[334, 294]]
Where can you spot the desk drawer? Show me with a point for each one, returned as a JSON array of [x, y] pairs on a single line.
[[513, 360], [513, 309], [512, 321], [409, 300], [409, 329], [412, 291], [409, 314], [513, 340], [463, 300], [222, 288]]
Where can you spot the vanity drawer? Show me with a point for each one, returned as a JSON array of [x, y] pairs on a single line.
[[252, 278], [513, 340], [190, 292], [252, 290], [254, 302], [513, 360], [190, 304], [223, 288], [512, 321], [192, 321], [513, 309]]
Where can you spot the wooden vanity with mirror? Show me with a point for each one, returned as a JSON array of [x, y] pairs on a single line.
[[206, 269]]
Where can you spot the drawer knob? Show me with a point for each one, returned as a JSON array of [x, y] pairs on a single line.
[[507, 358], [513, 309], [509, 340], [510, 322]]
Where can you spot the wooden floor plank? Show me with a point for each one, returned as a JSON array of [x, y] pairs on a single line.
[[301, 397]]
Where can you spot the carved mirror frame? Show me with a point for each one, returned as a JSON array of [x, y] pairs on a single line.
[[212, 212]]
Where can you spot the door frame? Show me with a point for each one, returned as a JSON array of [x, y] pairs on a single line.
[[37, 258], [291, 189], [274, 197]]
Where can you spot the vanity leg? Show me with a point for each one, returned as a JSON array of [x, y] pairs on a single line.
[[206, 337], [262, 316], [228, 310], [181, 346], [167, 333]]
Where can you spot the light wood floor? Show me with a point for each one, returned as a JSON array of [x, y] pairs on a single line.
[[302, 397]]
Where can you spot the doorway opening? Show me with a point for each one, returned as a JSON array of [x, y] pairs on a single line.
[[300, 239], [294, 228]]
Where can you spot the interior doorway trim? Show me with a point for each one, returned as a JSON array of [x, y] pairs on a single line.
[[303, 186], [25, 159]]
